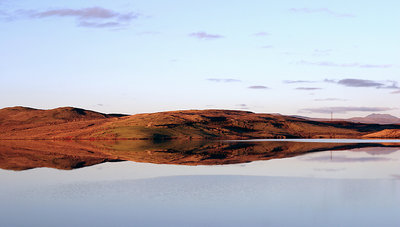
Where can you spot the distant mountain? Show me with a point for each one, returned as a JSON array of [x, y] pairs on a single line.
[[376, 119], [370, 119], [75, 123]]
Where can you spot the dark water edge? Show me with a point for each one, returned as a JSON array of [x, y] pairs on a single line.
[[207, 200]]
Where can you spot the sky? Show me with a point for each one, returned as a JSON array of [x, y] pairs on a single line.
[[291, 57]]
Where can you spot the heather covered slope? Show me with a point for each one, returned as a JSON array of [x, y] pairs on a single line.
[[229, 124], [29, 123], [24, 115], [73, 123], [386, 133]]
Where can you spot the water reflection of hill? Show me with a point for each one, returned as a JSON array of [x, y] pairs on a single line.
[[22, 155]]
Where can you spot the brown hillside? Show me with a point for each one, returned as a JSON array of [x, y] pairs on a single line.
[[386, 133], [25, 115], [73, 123], [28, 123]]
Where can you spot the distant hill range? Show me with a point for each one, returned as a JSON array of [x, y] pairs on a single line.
[[377, 119], [74, 123], [370, 119]]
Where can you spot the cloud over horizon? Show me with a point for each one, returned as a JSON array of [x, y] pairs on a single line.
[[343, 109], [242, 106]]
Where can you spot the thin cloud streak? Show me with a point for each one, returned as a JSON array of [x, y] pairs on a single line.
[[223, 80], [242, 106], [205, 36], [94, 17], [329, 99], [361, 83], [308, 88], [261, 34], [258, 87], [99, 25], [322, 52], [298, 81], [344, 110], [345, 65], [321, 10]]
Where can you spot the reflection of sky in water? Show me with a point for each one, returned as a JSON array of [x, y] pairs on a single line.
[[207, 200], [340, 188]]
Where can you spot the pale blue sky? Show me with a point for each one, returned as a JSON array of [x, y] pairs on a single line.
[[146, 56]]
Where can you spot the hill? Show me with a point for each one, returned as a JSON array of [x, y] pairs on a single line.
[[74, 123], [370, 119], [376, 119], [24, 122]]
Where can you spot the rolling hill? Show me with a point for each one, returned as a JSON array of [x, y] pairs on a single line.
[[75, 123]]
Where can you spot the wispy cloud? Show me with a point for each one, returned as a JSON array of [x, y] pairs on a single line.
[[223, 80], [242, 106], [321, 10], [258, 87], [343, 110], [322, 52], [308, 88], [361, 83], [345, 65], [205, 36], [262, 34], [329, 99], [95, 17], [87, 13], [99, 25]]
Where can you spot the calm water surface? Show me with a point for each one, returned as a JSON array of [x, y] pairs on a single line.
[[357, 187]]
